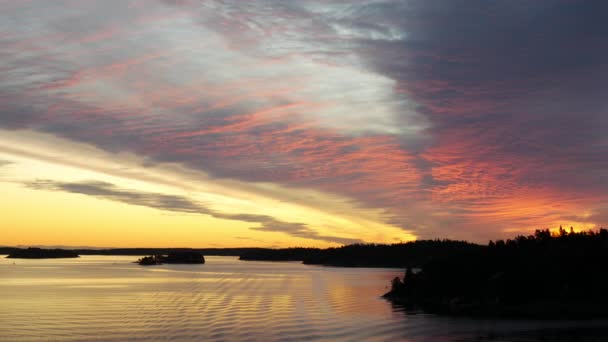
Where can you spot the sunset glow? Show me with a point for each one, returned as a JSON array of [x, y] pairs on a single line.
[[146, 123]]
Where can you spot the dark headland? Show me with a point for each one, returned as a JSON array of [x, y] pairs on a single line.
[[545, 275]]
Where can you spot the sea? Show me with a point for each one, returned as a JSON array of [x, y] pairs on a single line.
[[110, 298]]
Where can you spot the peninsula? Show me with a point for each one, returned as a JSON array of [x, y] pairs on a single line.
[[545, 275]]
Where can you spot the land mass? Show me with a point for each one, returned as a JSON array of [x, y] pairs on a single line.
[[145, 251], [400, 255], [184, 257], [39, 253], [545, 275]]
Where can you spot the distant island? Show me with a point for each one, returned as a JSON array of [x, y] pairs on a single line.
[[188, 257], [545, 275], [146, 251], [39, 253], [400, 255]]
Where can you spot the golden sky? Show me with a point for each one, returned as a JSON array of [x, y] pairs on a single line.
[[38, 211]]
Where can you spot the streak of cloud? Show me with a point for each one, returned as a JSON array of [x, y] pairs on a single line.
[[181, 204]]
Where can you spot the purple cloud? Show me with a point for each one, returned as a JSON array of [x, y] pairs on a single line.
[[458, 118]]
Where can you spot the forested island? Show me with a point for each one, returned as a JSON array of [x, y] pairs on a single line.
[[184, 257], [39, 253], [545, 275]]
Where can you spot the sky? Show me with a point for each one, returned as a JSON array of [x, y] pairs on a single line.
[[183, 123]]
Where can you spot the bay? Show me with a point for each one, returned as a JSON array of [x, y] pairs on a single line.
[[109, 298]]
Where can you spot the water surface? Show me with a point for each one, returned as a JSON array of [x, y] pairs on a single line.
[[108, 298]]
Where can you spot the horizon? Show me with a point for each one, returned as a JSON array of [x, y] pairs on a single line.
[[554, 232], [313, 124]]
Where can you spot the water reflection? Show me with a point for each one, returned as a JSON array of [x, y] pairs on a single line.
[[461, 329], [226, 299]]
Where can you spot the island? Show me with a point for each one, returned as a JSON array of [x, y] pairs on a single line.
[[183, 257], [398, 255], [279, 254], [545, 275], [39, 253]]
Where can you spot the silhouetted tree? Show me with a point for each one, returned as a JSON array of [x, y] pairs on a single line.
[[564, 274]]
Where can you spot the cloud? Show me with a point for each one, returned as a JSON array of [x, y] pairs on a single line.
[[248, 112], [5, 162], [302, 231], [111, 192], [181, 204], [457, 118], [599, 217], [512, 94]]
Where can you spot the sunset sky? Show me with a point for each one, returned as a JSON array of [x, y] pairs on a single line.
[[190, 123]]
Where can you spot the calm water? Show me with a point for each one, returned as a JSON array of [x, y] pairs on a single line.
[[109, 298]]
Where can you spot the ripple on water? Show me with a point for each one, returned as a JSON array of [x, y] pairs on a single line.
[[111, 299]]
